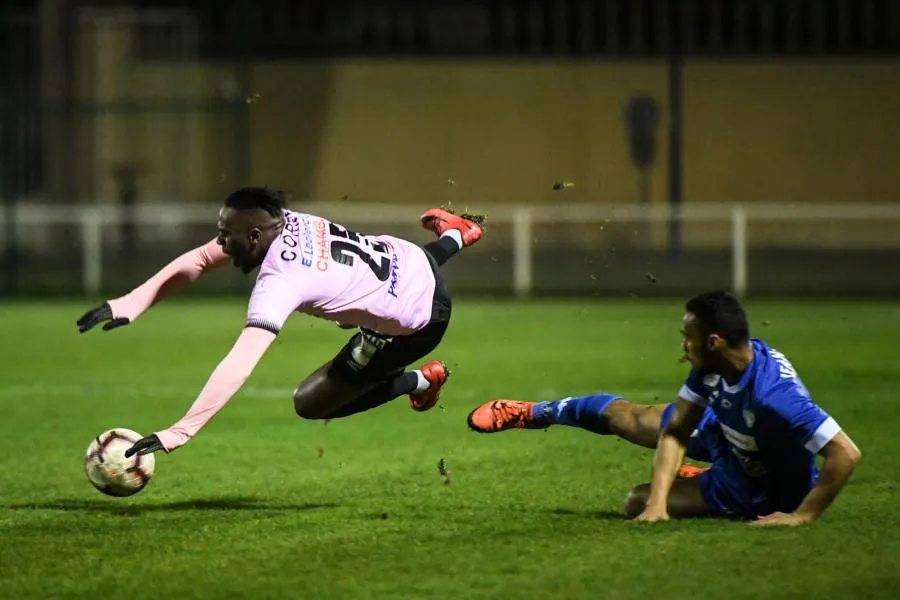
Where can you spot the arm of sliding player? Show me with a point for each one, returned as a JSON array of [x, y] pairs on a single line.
[[815, 430], [669, 456]]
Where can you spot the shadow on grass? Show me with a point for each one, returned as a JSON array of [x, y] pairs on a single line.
[[606, 515], [119, 506]]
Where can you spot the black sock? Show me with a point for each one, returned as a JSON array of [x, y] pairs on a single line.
[[442, 249], [378, 395]]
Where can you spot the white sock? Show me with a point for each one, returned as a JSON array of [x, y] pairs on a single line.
[[422, 385], [455, 235]]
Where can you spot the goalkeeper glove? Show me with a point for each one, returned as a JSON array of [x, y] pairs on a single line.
[[97, 315], [145, 445]]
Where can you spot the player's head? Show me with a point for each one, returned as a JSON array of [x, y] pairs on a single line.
[[714, 323], [248, 223]]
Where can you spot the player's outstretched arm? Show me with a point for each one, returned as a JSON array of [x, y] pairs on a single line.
[[173, 277], [668, 458], [840, 459], [224, 383]]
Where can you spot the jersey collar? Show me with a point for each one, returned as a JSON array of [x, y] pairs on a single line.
[[745, 377]]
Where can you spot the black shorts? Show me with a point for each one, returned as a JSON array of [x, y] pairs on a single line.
[[371, 357]]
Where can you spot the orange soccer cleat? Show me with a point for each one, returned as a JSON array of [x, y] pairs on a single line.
[[436, 372], [688, 471], [440, 221], [500, 415]]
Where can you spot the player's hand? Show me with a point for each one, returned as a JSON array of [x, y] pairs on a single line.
[[97, 315], [346, 325], [780, 518], [651, 515], [145, 445]]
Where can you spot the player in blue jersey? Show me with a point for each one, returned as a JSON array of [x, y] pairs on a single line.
[[743, 409]]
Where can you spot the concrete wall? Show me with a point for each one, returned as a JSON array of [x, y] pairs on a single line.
[[808, 132], [504, 131]]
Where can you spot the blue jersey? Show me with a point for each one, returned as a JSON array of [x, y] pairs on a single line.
[[771, 428]]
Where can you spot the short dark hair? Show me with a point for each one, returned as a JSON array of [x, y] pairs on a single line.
[[720, 313], [263, 198]]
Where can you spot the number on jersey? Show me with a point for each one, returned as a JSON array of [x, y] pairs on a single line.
[[349, 245]]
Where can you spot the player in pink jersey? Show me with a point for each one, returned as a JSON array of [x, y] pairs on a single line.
[[389, 288]]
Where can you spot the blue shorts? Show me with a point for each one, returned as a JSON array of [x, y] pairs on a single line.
[[726, 489]]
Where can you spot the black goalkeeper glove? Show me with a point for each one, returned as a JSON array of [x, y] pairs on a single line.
[[145, 445], [97, 315]]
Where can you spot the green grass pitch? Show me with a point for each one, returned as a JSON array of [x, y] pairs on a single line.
[[262, 504]]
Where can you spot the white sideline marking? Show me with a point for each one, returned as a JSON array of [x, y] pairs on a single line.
[[37, 390], [119, 390]]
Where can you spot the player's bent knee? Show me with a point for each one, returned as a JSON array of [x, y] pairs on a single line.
[[620, 418], [305, 407], [307, 411], [636, 500]]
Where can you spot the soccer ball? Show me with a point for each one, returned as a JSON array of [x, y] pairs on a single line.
[[109, 471]]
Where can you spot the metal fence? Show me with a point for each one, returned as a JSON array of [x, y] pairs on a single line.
[[612, 250]]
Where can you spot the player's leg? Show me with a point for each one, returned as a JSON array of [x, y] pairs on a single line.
[[370, 370], [603, 414], [685, 499], [423, 385], [324, 391], [723, 490], [454, 232], [363, 376]]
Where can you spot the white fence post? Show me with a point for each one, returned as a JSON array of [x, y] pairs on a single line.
[[91, 251], [739, 250], [522, 267]]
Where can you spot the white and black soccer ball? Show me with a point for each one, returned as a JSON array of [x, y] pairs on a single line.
[[109, 471]]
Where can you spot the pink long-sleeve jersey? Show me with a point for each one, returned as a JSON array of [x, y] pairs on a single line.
[[316, 267], [320, 268]]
